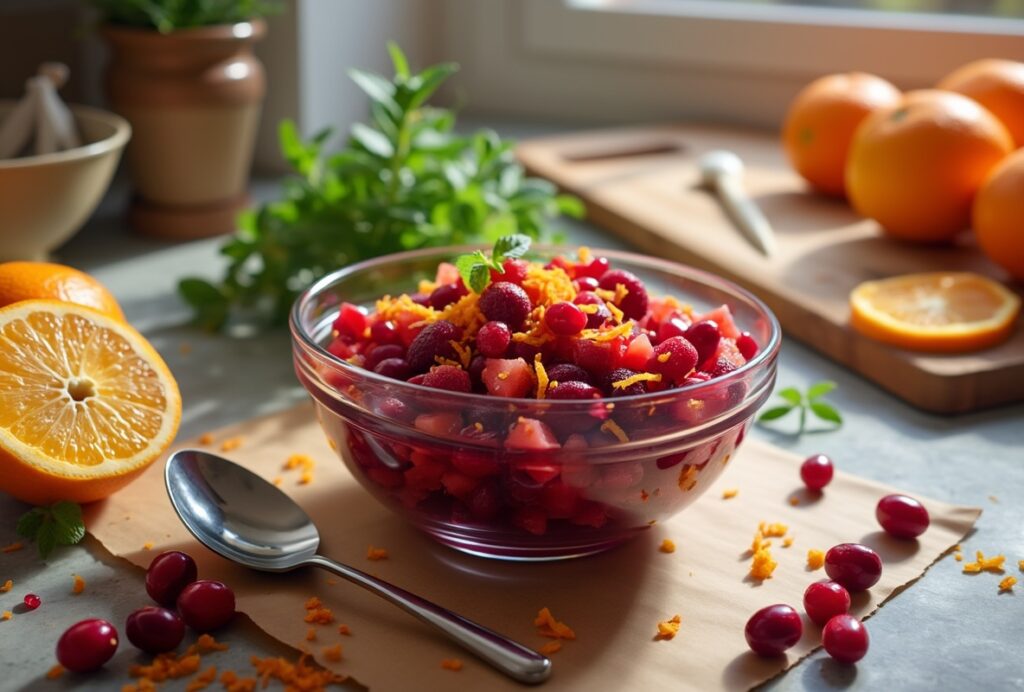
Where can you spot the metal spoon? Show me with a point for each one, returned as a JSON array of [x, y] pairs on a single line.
[[244, 518], [722, 172]]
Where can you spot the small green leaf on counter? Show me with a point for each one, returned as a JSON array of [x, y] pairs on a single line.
[[795, 400], [58, 524]]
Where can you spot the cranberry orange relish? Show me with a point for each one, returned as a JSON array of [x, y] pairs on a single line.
[[534, 407]]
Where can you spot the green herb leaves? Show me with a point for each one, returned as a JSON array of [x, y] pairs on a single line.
[[475, 269], [403, 180], [804, 402], [58, 524], [168, 15]]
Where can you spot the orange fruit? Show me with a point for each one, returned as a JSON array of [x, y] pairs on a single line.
[[999, 215], [86, 404], [998, 85], [916, 166], [944, 312], [44, 280], [821, 121]]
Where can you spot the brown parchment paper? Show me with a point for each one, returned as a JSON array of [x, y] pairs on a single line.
[[613, 600]]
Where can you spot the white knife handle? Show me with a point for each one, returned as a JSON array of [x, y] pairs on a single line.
[[746, 214]]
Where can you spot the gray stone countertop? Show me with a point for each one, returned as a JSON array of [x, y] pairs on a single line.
[[948, 631]]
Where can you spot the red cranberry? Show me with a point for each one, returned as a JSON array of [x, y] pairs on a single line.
[[351, 321], [674, 358], [515, 271], [824, 599], [595, 268], [433, 340], [493, 339], [595, 358], [565, 319], [618, 375], [447, 377], [396, 409], [566, 372], [816, 471], [772, 630], [87, 645], [673, 326], [381, 353], [845, 638], [206, 605], [855, 566], [586, 283], [704, 336], [395, 368], [446, 294], [902, 516], [385, 332], [506, 302], [574, 390], [168, 574], [720, 366], [747, 346], [154, 630], [32, 601], [634, 305], [594, 319]]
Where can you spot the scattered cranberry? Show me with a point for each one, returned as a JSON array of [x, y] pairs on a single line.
[[565, 319], [586, 283], [206, 605], [594, 269], [385, 332], [772, 630], [816, 471], [747, 346], [446, 294], [382, 353], [594, 319], [720, 366], [506, 302], [493, 338], [634, 304], [32, 601], [567, 372], [87, 645], [168, 574], [154, 630], [855, 566], [395, 368], [448, 377], [825, 599], [902, 516], [704, 336], [673, 358], [351, 321], [433, 340], [673, 326], [515, 271], [845, 638]]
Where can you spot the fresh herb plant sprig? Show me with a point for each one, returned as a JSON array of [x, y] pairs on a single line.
[[404, 180], [475, 269], [811, 401], [168, 15], [59, 524]]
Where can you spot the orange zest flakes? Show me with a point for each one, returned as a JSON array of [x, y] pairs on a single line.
[[617, 314], [230, 681], [55, 672], [815, 559], [7, 586], [638, 377], [299, 461], [1007, 584], [6, 615], [542, 377], [148, 545], [332, 653], [452, 664], [548, 626], [463, 352], [205, 439], [278, 480], [772, 530], [167, 667], [1020, 565], [584, 255], [376, 553], [319, 616], [730, 493], [231, 444], [310, 634], [608, 334], [503, 375], [312, 603], [762, 565], [985, 564], [787, 541], [610, 426], [688, 478], [201, 681], [668, 629], [589, 308], [959, 557], [12, 547], [794, 501], [552, 647], [344, 629], [78, 585], [295, 676], [206, 644], [667, 546], [306, 478], [759, 543]]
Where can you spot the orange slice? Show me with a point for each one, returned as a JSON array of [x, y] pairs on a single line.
[[944, 312], [86, 404]]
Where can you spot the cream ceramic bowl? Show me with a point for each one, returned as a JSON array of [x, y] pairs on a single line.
[[45, 199]]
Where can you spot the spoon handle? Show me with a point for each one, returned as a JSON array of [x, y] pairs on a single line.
[[511, 658], [746, 214]]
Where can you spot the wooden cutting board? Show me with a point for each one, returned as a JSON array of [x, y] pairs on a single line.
[[642, 184]]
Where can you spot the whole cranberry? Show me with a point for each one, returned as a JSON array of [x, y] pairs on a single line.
[[902, 516], [565, 372], [154, 630], [168, 574], [395, 368], [385, 332], [845, 638], [206, 605], [433, 340], [382, 353], [506, 302], [855, 566], [673, 358], [565, 319], [825, 599], [493, 338], [586, 283], [772, 630], [446, 294], [515, 271], [816, 471], [448, 377], [747, 346], [676, 325], [704, 336], [595, 268], [87, 645], [634, 304]]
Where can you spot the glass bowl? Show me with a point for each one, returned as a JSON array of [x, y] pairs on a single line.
[[456, 465]]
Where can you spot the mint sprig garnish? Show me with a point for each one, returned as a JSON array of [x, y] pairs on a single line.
[[811, 401], [59, 524], [475, 268]]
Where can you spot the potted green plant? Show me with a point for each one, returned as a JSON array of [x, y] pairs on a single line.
[[184, 75]]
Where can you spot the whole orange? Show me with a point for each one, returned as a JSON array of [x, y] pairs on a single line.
[[996, 84], [821, 121], [44, 280], [916, 166], [999, 215]]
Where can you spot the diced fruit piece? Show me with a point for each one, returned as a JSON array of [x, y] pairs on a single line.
[[154, 630], [816, 471], [530, 433], [772, 630], [475, 464], [459, 485], [507, 377], [596, 358], [673, 358], [168, 574], [586, 283], [845, 638], [446, 273], [565, 319], [493, 338], [384, 332], [531, 519], [435, 340], [485, 501], [825, 599], [87, 645], [559, 500], [351, 321], [439, 424], [855, 566], [634, 304], [722, 316], [902, 516], [638, 352], [447, 377], [506, 302]]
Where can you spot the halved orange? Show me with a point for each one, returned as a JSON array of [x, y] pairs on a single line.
[[944, 312], [86, 404]]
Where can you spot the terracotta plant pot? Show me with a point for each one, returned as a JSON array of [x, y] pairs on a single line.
[[193, 98]]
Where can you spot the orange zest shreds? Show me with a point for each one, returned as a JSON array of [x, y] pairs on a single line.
[[985, 564], [762, 565], [6, 615], [604, 294], [610, 426], [503, 375], [344, 629], [667, 546], [167, 667], [548, 286], [787, 541], [310, 634], [815, 558], [759, 543], [332, 653], [313, 603], [12, 547], [7, 586], [465, 355], [608, 334], [584, 255], [441, 360], [78, 585], [663, 357], [1020, 565], [299, 461], [617, 314], [772, 530], [552, 647], [794, 500], [688, 478], [730, 493], [231, 444], [389, 308], [1007, 584], [425, 286], [200, 681], [295, 676], [319, 616], [959, 557], [206, 439], [306, 478], [206, 644], [278, 480], [548, 626], [55, 672], [452, 664], [542, 377], [644, 495], [230, 681], [667, 629], [589, 308], [376, 553], [148, 545], [638, 377]]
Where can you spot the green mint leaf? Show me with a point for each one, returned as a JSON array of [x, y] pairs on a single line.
[[479, 278], [379, 90], [67, 517], [427, 82], [776, 412], [46, 538], [30, 522], [398, 60], [515, 245], [820, 389], [466, 264], [826, 412], [373, 141], [791, 394]]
